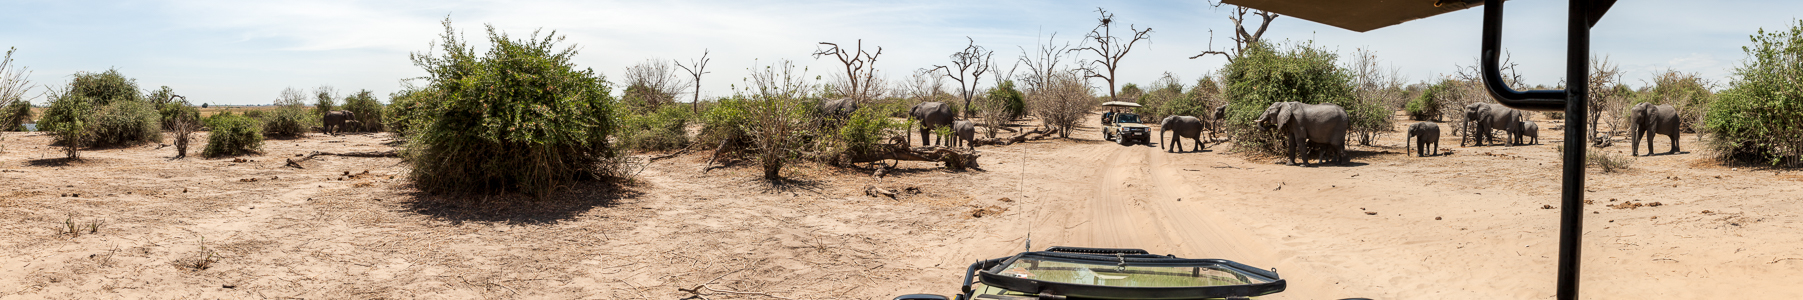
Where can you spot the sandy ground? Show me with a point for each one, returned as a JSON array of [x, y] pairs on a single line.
[[1468, 225]]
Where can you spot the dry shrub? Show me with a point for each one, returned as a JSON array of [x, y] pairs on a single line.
[[1062, 101], [998, 106], [778, 116], [1608, 161]]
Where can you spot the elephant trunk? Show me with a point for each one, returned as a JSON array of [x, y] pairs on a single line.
[[1161, 142], [1634, 137]]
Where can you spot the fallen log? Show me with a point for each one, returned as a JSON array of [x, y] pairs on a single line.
[[294, 163], [875, 191], [956, 159]]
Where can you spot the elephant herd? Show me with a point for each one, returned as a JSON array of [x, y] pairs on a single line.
[[1485, 118], [1323, 127]]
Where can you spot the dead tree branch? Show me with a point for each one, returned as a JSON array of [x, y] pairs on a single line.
[[1110, 48], [861, 83], [699, 67], [971, 62]]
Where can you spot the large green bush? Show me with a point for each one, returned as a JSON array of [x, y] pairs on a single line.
[[368, 111], [124, 123], [114, 113], [665, 129], [520, 117], [232, 135], [1759, 118], [1262, 75]]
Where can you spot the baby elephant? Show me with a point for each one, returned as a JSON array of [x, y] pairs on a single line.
[[1424, 133], [964, 133], [1529, 131]]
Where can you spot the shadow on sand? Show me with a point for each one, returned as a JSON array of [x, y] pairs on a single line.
[[514, 208]]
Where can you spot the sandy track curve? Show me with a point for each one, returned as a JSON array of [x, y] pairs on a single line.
[[1133, 203]]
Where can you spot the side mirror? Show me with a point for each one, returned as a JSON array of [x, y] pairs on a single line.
[[921, 297]]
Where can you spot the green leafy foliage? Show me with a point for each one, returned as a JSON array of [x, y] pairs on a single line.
[[866, 128], [325, 100], [722, 121], [665, 129], [105, 87], [521, 117], [290, 118], [1759, 118], [368, 111], [410, 110], [113, 112], [15, 115], [67, 119], [1428, 104], [1168, 97], [1263, 75], [232, 135], [1012, 101], [124, 123]]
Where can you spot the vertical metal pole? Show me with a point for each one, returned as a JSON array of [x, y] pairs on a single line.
[[1571, 218]]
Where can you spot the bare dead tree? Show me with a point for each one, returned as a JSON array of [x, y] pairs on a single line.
[[971, 62], [861, 83], [696, 68], [1241, 38], [1109, 47], [1042, 65], [1605, 98], [652, 83]]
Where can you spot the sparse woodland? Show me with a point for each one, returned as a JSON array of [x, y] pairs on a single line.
[[773, 117]]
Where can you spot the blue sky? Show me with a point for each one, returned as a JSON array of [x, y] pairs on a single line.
[[246, 52]]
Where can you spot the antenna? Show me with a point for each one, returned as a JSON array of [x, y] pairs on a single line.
[[1021, 190]]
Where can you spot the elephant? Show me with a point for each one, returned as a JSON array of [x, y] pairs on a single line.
[[1651, 119], [837, 109], [1186, 127], [1217, 122], [1529, 132], [964, 133], [1424, 133], [932, 115], [334, 120], [1493, 117], [1324, 124], [353, 125]]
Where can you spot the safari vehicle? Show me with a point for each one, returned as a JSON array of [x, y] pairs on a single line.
[[1124, 127], [1102, 273]]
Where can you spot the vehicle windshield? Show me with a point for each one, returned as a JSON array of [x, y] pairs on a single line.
[[1125, 276], [1126, 118]]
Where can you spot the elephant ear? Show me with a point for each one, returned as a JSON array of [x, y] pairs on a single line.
[[1286, 113]]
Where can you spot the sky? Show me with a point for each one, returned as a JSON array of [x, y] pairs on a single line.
[[247, 52]]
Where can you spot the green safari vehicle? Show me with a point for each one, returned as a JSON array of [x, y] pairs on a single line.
[[1103, 273]]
